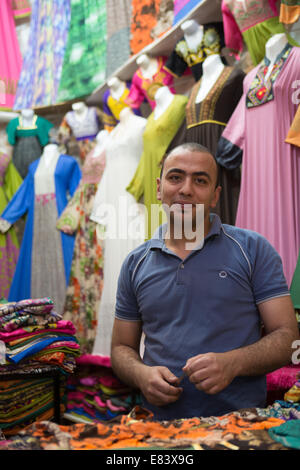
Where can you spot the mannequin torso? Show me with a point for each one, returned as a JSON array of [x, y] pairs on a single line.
[[212, 69], [274, 47], [27, 116], [101, 142], [148, 65], [116, 87], [50, 153], [80, 109], [193, 34], [163, 99]]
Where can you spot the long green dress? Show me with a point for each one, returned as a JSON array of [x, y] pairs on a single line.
[[10, 180], [85, 57], [157, 137]]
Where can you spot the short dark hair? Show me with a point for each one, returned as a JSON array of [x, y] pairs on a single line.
[[192, 147]]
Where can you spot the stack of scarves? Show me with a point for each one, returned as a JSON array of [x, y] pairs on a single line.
[[33, 332], [95, 394]]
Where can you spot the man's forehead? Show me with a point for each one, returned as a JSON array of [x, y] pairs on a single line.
[[183, 158]]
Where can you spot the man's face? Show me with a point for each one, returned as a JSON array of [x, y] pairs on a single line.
[[189, 178]]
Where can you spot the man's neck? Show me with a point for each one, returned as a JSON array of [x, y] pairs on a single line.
[[183, 246]]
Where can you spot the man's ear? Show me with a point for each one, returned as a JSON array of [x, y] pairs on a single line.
[[216, 197], [158, 186]]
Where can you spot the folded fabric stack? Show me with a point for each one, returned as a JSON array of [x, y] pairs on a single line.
[[95, 394], [33, 332]]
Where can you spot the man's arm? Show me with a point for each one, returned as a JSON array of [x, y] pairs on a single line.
[[212, 372], [154, 382]]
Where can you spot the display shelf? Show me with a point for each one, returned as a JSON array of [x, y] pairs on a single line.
[[206, 11]]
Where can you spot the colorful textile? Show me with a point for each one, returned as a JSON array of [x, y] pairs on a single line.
[[85, 57], [42, 64], [145, 88], [118, 34], [183, 7], [235, 431], [11, 59], [287, 434], [21, 8], [293, 135], [269, 166], [293, 395], [10, 181], [157, 137], [261, 90], [280, 409], [289, 11], [112, 108], [86, 277], [283, 378], [66, 177], [252, 23], [143, 20]]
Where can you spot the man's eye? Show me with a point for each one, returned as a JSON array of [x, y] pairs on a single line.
[[201, 181], [174, 177]]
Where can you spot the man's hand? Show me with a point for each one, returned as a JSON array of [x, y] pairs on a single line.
[[210, 372], [159, 386]]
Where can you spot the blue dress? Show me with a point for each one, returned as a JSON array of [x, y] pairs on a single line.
[[67, 176]]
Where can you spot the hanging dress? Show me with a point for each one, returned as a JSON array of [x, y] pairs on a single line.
[[42, 63], [86, 276], [10, 57], [45, 258], [119, 216], [157, 138], [28, 142], [84, 62], [269, 201], [204, 124], [289, 11], [252, 23], [10, 181]]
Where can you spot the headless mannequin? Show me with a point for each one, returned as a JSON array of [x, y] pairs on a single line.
[[148, 65], [274, 46], [27, 117], [163, 99], [193, 34], [80, 109], [212, 69], [50, 152], [116, 87], [101, 140]]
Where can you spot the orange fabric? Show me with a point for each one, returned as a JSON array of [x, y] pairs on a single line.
[[293, 136], [143, 19], [289, 14]]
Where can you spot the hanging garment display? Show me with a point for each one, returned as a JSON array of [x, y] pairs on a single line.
[[10, 58], [27, 140], [204, 123], [85, 57], [42, 64], [118, 214], [10, 181], [45, 257], [295, 285], [270, 182], [86, 276], [118, 34], [84, 125], [143, 19], [251, 23], [157, 137], [183, 58], [289, 11], [144, 88]]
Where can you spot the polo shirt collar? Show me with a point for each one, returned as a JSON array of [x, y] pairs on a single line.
[[157, 241]]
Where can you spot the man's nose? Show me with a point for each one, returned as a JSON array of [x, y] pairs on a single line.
[[187, 186]]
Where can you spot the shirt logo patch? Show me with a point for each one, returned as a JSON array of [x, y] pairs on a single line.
[[223, 274]]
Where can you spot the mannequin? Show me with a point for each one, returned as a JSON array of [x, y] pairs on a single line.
[[148, 65], [193, 34], [116, 87], [212, 69], [50, 151], [274, 46], [101, 140], [80, 109], [27, 116], [163, 99]]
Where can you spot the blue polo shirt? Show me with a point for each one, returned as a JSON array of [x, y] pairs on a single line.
[[206, 303]]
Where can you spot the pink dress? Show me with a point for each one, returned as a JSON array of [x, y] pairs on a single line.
[[145, 88], [10, 57], [269, 201]]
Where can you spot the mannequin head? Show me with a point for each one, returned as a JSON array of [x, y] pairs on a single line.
[[114, 83], [190, 27], [79, 107], [125, 114], [101, 136]]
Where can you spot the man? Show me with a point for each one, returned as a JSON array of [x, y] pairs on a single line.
[[202, 309]]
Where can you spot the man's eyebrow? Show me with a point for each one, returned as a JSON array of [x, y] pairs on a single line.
[[196, 173]]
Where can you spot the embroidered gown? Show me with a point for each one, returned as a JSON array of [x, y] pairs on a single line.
[[86, 277], [120, 218], [204, 124], [46, 254], [10, 181], [269, 201]]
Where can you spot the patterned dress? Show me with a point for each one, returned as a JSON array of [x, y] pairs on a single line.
[[10, 181], [85, 285]]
